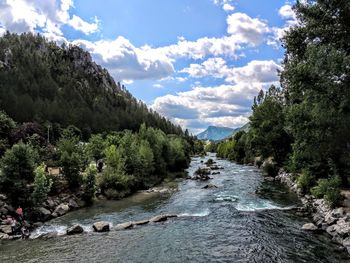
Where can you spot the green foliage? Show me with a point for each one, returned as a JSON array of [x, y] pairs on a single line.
[[63, 86], [72, 158], [42, 185], [6, 126], [305, 181], [329, 189], [89, 184], [316, 83], [114, 176], [96, 147], [17, 170]]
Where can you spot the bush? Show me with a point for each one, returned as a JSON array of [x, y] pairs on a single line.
[[17, 167], [42, 185], [89, 182], [305, 181], [329, 189]]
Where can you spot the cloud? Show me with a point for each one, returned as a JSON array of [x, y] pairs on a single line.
[[125, 61], [46, 16], [247, 29], [224, 105], [256, 71], [158, 86], [226, 4]]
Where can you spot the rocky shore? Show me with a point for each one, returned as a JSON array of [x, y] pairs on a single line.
[[336, 222]]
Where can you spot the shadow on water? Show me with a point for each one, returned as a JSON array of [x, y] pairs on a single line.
[[245, 219]]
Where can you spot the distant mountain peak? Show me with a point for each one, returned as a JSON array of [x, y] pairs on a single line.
[[216, 133]]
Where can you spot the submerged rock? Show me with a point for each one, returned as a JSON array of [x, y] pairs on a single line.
[[101, 226], [161, 218], [309, 227], [76, 229]]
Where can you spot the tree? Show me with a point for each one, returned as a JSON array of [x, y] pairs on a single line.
[[96, 147], [89, 184], [17, 167], [72, 158], [42, 185], [316, 80], [6, 126]]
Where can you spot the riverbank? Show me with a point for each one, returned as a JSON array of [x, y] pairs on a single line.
[[60, 205], [335, 222]]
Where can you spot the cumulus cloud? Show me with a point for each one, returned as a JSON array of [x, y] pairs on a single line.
[[224, 105], [226, 5], [48, 16], [246, 29], [256, 71]]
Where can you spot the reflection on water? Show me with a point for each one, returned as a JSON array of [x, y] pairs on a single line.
[[243, 220]]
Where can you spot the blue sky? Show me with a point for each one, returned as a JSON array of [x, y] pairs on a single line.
[[197, 62]]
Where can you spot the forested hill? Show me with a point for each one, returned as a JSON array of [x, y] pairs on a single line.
[[41, 81]]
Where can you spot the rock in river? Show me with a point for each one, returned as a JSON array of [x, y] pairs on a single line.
[[309, 227], [61, 209], [123, 226], [101, 226], [161, 218], [210, 186], [76, 229]]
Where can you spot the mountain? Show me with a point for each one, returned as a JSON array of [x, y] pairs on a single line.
[[61, 85], [214, 133]]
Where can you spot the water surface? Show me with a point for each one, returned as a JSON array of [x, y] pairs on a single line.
[[244, 220]]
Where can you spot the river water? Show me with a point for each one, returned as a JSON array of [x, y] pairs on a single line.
[[244, 220]]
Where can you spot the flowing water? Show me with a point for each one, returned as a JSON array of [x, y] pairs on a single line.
[[244, 220]]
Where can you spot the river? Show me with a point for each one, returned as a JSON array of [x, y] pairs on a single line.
[[244, 220]]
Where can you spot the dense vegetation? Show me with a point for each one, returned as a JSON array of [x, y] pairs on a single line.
[[61, 86], [305, 124], [59, 109]]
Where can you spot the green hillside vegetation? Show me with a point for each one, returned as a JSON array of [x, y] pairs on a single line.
[[60, 86], [60, 109], [305, 124]]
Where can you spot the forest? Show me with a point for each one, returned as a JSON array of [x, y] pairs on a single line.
[[60, 109], [304, 123]]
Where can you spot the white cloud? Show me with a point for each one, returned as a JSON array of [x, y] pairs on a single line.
[[79, 24], [158, 86], [224, 105], [246, 29], [256, 71], [29, 15], [228, 7]]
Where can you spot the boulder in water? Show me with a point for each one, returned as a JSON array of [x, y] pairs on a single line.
[[142, 222], [210, 186], [61, 209], [44, 214], [101, 226], [161, 218], [309, 227], [73, 204], [123, 226], [76, 229]]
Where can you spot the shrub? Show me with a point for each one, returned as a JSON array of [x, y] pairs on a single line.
[[305, 181], [329, 189], [42, 185], [89, 182]]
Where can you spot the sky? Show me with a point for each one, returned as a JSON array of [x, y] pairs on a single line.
[[197, 62]]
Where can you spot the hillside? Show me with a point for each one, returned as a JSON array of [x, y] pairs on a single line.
[[46, 83]]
